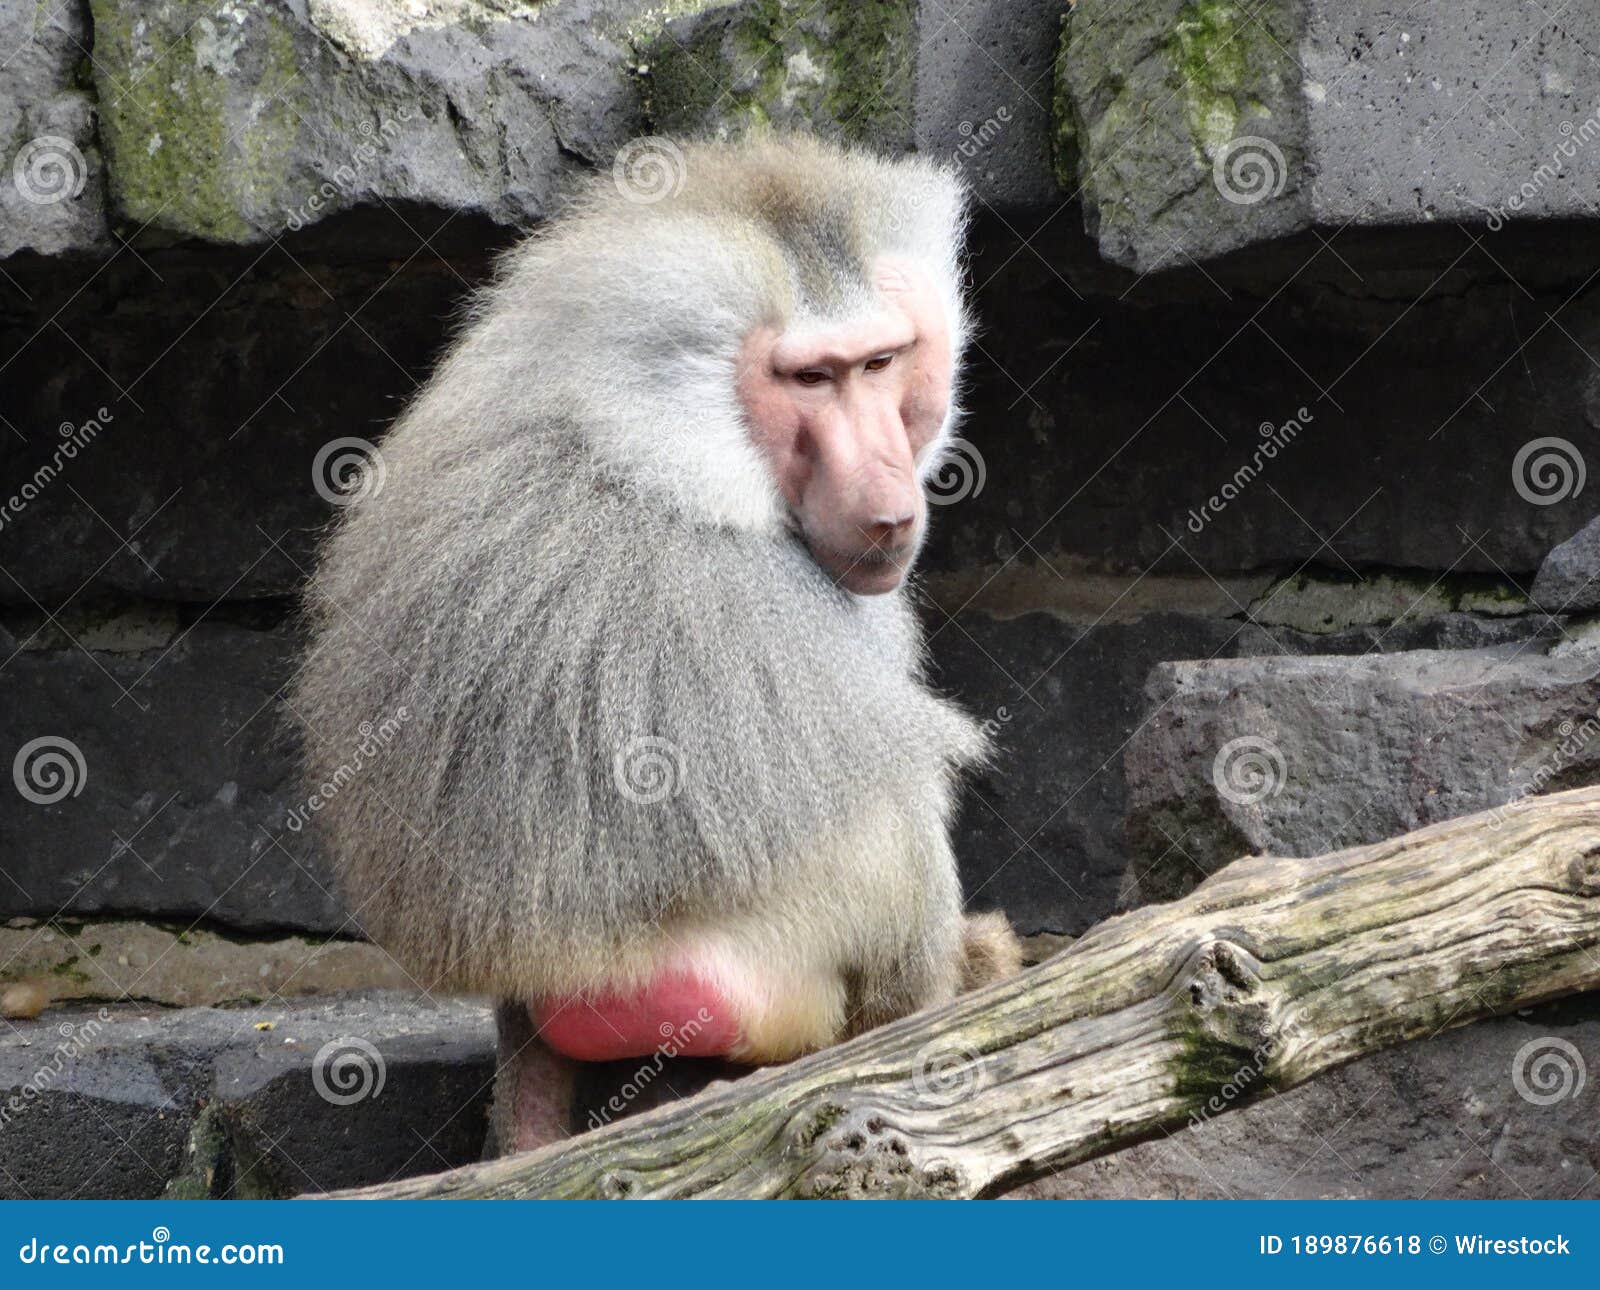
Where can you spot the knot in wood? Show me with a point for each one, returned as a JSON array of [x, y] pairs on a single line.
[[1584, 871], [1222, 974], [619, 1184], [862, 1156], [1225, 996]]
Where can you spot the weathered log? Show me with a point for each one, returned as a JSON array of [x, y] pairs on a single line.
[[1270, 972]]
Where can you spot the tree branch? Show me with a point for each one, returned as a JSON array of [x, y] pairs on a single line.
[[1270, 972]]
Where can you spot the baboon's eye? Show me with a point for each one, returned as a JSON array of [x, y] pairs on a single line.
[[811, 376], [879, 363]]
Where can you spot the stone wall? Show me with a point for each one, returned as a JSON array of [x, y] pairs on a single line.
[[1287, 383]]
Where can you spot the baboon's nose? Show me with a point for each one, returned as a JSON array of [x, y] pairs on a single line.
[[887, 533]]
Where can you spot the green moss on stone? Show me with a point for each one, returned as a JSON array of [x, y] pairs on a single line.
[[1064, 117], [207, 1161], [870, 67], [715, 73], [1223, 56], [165, 95], [1333, 600], [69, 970], [845, 67]]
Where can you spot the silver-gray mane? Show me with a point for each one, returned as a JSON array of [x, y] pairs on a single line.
[[625, 691]]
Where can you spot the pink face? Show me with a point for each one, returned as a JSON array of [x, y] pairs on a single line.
[[845, 415]]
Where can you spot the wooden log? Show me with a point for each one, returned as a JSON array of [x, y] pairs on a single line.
[[1270, 972]]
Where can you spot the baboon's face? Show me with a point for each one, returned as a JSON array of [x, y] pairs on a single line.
[[847, 415]]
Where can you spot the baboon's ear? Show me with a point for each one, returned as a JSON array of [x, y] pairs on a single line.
[[990, 951]]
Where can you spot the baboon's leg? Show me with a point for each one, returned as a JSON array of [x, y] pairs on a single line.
[[533, 1087]]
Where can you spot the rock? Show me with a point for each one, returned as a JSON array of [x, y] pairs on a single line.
[[1204, 126], [24, 1000], [113, 1102], [1183, 429], [358, 1090], [119, 961], [157, 406], [52, 189], [1329, 604], [1403, 126], [253, 119], [1041, 833], [1301, 756], [1188, 120], [985, 70], [98, 1103], [152, 777], [265, 119], [1440, 1119], [1569, 578], [838, 69], [1092, 461]]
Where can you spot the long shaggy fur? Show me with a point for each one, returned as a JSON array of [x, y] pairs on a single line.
[[637, 714]]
